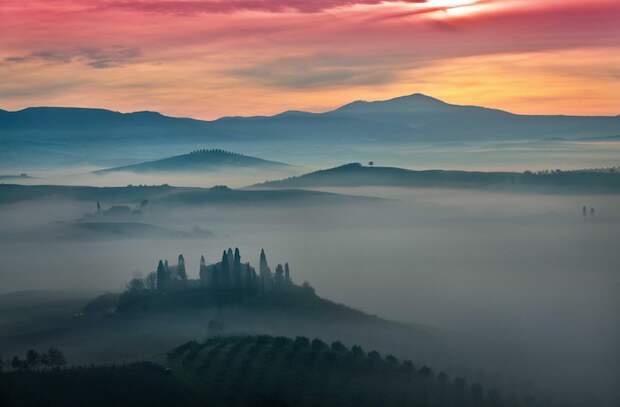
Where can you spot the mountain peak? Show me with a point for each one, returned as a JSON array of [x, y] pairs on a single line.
[[415, 102], [421, 96]]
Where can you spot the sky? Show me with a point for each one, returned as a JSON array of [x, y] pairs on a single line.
[[213, 58]]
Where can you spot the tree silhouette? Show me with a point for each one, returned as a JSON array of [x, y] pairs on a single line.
[[236, 271], [135, 285], [150, 282], [18, 364], [181, 268], [33, 359], [241, 370], [162, 275], [56, 358]]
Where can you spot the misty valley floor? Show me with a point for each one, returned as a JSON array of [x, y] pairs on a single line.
[[517, 285]]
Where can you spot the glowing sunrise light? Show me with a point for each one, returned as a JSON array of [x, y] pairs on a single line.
[[459, 8], [449, 3]]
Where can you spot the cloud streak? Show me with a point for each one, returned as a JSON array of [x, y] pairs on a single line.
[[231, 6], [94, 57]]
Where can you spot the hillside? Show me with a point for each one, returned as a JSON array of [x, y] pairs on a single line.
[[411, 117], [137, 325], [71, 134], [357, 175], [169, 195], [253, 371], [102, 230], [311, 372], [200, 161]]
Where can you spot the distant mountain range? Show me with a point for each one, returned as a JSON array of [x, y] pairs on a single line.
[[403, 119], [200, 161], [357, 175]]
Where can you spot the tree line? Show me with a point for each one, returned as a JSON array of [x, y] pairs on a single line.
[[303, 372], [53, 358]]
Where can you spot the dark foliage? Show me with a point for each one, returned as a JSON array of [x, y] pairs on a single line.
[[245, 370], [252, 371], [139, 384]]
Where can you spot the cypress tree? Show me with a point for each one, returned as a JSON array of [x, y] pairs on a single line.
[[237, 269], [225, 276]]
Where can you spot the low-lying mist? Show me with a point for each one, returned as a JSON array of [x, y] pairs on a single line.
[[521, 284], [84, 176]]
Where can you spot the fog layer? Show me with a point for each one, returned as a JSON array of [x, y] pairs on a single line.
[[520, 284]]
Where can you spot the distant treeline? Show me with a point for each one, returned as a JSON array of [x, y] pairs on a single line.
[[216, 151], [53, 358]]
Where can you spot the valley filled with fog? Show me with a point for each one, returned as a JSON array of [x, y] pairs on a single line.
[[75, 167], [500, 267], [521, 284]]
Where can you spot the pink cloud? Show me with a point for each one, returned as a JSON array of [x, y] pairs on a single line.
[[229, 6], [287, 45]]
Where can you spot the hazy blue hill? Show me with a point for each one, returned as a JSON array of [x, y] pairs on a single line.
[[227, 196], [200, 160], [404, 104], [70, 118], [416, 117], [169, 195], [356, 175], [404, 119], [12, 193]]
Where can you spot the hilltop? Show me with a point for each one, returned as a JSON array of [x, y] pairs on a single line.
[[168, 307], [199, 161], [358, 175]]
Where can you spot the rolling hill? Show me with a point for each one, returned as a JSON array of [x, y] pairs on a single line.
[[200, 161], [170, 195], [48, 132], [358, 175], [255, 370]]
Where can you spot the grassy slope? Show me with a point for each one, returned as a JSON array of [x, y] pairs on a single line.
[[356, 175]]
